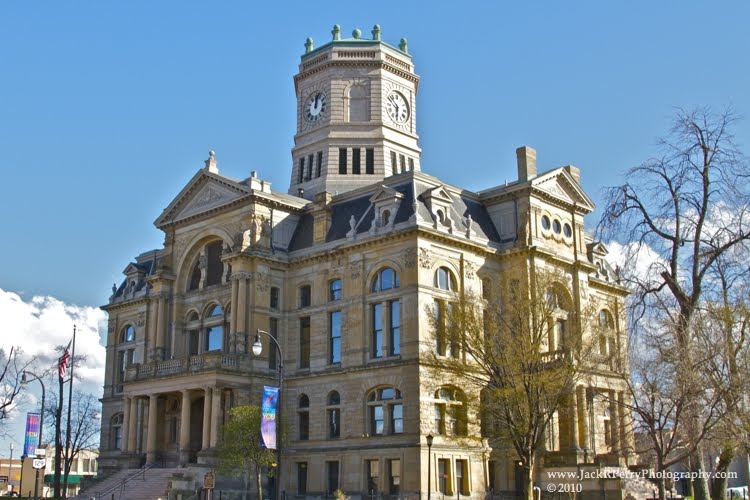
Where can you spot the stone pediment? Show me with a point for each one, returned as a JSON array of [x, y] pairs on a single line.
[[598, 248], [203, 193], [385, 193], [560, 185], [438, 193]]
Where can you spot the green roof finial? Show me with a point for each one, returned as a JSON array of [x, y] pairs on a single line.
[[309, 45], [336, 32], [376, 32], [403, 46], [357, 33]]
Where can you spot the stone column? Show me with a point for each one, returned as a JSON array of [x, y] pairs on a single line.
[[215, 416], [132, 421], [583, 416], [153, 407], [207, 393], [185, 428], [235, 304], [126, 423], [614, 411], [160, 326], [626, 435], [240, 306], [573, 424]]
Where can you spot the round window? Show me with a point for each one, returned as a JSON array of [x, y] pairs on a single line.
[[556, 226], [567, 231], [545, 222]]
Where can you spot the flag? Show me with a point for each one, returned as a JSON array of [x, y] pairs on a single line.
[[62, 365]]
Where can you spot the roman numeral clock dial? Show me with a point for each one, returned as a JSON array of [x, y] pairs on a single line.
[[397, 107], [315, 107]]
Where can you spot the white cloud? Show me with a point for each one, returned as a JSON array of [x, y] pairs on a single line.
[[639, 263], [40, 324]]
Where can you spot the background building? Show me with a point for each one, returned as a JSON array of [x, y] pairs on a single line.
[[343, 270]]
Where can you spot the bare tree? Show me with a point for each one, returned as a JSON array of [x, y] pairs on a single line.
[[84, 427], [690, 206], [12, 366], [516, 365]]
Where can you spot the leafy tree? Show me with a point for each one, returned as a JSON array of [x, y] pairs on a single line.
[[690, 207], [240, 452], [518, 369]]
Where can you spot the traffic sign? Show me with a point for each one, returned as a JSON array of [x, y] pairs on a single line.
[[39, 463]]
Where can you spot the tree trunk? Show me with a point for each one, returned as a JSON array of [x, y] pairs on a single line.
[[258, 480], [700, 485], [528, 485], [720, 483], [662, 489]]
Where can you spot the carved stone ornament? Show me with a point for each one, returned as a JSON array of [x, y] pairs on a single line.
[[469, 270], [354, 268], [262, 281], [409, 257], [424, 258]]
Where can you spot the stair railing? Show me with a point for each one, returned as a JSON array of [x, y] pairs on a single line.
[[99, 495]]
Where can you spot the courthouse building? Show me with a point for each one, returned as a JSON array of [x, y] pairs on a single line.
[[342, 267]]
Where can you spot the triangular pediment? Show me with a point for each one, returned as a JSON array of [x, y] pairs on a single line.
[[561, 185], [204, 192], [598, 248], [385, 193], [132, 269], [438, 193]]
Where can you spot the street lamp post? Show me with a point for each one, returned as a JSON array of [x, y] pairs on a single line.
[[430, 437], [24, 384], [10, 466], [257, 349]]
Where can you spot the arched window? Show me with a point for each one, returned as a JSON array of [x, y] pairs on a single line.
[[192, 334], [606, 329], [358, 104], [385, 279], [303, 417], [127, 334], [195, 276], [385, 406], [116, 432], [445, 280], [210, 259], [450, 412], [557, 305], [214, 325], [386, 218], [333, 415]]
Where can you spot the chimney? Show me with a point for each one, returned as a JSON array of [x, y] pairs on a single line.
[[526, 157], [321, 213], [574, 172]]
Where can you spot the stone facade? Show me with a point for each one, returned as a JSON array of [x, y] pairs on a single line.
[[343, 273]]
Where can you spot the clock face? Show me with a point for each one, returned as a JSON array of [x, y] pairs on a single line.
[[315, 107], [397, 107]]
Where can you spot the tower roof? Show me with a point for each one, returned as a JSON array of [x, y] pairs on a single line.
[[356, 40]]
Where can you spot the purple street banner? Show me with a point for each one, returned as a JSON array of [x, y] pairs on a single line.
[[31, 441], [268, 417]]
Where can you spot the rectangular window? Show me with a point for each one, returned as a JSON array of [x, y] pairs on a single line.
[[607, 433], [369, 161], [319, 167], [334, 290], [301, 173], [356, 152], [334, 423], [444, 477], [373, 476], [117, 444], [377, 330], [462, 476], [402, 162], [332, 469], [377, 420], [304, 342], [274, 298], [397, 418], [305, 293], [394, 165], [301, 478], [273, 329], [304, 425], [559, 334], [193, 342], [342, 160], [334, 355], [394, 345], [214, 338], [394, 476], [491, 475], [308, 174], [411, 163]]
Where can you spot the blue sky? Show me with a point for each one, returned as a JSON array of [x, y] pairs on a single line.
[[108, 108]]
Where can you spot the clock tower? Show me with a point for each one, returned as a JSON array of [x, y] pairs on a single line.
[[356, 114]]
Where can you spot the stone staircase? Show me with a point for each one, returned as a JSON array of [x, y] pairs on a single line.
[[131, 484]]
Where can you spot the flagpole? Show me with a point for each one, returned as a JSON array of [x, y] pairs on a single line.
[[68, 452], [62, 365]]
